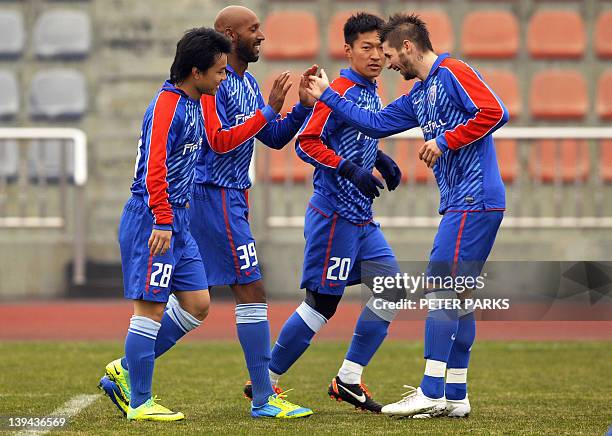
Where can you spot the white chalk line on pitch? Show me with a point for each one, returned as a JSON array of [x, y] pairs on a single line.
[[67, 410]]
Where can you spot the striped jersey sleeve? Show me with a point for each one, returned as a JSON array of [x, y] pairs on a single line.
[[221, 135], [396, 117], [309, 145], [468, 91], [166, 125]]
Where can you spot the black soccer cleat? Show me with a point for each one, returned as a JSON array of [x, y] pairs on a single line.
[[248, 390], [357, 395]]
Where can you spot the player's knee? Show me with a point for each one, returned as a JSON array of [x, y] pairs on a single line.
[[149, 309], [324, 304], [198, 307], [253, 292], [200, 310]]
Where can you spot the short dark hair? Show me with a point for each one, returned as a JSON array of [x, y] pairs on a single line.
[[361, 22], [198, 48], [401, 27]]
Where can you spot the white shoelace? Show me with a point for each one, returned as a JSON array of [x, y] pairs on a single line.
[[409, 395]]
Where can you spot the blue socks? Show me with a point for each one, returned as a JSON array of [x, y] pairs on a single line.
[[175, 323], [440, 331], [459, 359], [370, 332], [254, 335], [140, 356], [295, 337]]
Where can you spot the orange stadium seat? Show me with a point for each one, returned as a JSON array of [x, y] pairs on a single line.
[[556, 34], [505, 84], [604, 96], [440, 29], [292, 95], [407, 157], [558, 94], [283, 165], [605, 160], [603, 35], [566, 159], [507, 158], [335, 34], [490, 34], [282, 40]]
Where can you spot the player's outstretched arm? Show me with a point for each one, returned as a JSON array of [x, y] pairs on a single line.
[[276, 134], [221, 135], [394, 118]]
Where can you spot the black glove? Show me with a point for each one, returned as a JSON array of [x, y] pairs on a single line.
[[365, 181], [388, 169]]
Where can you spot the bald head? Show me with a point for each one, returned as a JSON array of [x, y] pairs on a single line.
[[242, 27], [234, 17]]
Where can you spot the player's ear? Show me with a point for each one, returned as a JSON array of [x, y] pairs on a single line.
[[195, 72], [231, 35], [348, 50]]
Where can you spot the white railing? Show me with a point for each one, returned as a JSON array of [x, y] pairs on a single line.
[[23, 219], [514, 218]]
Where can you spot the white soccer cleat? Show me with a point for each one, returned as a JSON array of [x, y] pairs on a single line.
[[454, 409], [458, 408], [416, 403]]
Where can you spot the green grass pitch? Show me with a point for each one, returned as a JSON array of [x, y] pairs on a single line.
[[515, 388]]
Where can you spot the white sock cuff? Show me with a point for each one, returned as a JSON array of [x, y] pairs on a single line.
[[435, 368], [456, 375], [143, 326], [183, 319], [352, 366], [251, 313], [313, 319], [350, 372]]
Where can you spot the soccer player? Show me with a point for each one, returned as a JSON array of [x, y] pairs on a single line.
[[158, 254], [458, 112], [220, 209], [339, 228]]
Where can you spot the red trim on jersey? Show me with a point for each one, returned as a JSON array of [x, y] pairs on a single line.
[[229, 233], [225, 140], [458, 243], [246, 197], [329, 244], [474, 210], [490, 111], [150, 263], [318, 210], [157, 168], [310, 138]]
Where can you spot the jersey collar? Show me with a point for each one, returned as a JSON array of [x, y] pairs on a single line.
[[357, 78], [167, 86], [436, 64]]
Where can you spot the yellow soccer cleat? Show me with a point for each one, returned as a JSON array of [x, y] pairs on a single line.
[[118, 374], [151, 411], [278, 407]]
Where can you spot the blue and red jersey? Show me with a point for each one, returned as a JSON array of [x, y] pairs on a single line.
[[239, 107], [456, 107], [171, 135], [326, 139]]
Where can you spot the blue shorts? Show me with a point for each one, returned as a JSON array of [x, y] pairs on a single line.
[[154, 278], [220, 226], [463, 242], [336, 247]]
